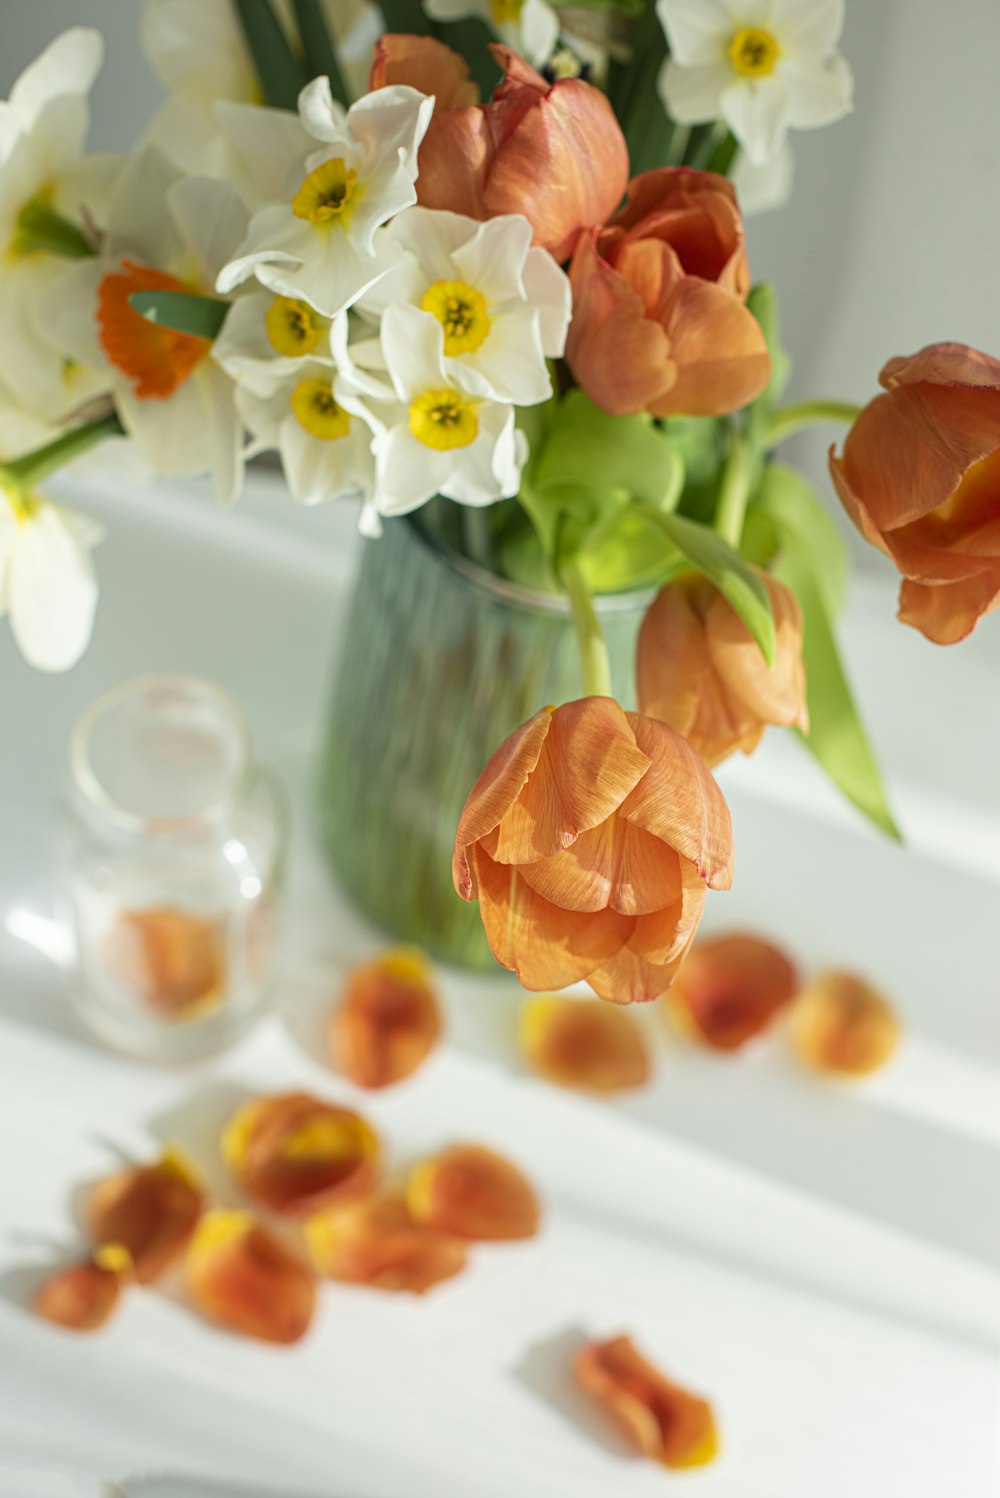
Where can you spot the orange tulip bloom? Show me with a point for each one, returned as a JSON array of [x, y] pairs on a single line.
[[699, 669], [298, 1154], [242, 1276], [472, 1192], [173, 960], [661, 1419], [554, 152], [842, 1025], [659, 322], [377, 1242], [730, 988], [388, 1021], [920, 478], [152, 1210], [426, 64], [83, 1296], [589, 840], [583, 1044]]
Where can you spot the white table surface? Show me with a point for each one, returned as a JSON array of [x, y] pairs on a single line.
[[823, 1262]]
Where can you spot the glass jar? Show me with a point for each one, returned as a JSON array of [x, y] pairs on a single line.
[[171, 846], [441, 661]]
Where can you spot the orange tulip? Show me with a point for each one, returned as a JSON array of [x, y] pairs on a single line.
[[840, 1024], [589, 840], [661, 1419], [920, 478], [377, 1242], [730, 988], [152, 1210], [298, 1154], [83, 1296], [426, 64], [173, 960], [699, 669], [554, 152], [471, 1192], [242, 1276], [388, 1021], [659, 322], [583, 1044]]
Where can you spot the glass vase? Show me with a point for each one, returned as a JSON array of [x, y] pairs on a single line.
[[441, 661]]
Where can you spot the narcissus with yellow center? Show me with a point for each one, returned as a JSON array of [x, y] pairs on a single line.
[[329, 191], [444, 419], [461, 311], [293, 327], [316, 409], [753, 52]]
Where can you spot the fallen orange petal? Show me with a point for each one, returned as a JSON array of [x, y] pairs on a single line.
[[388, 1021], [474, 1193], [83, 1296], [298, 1154], [579, 1043], [661, 1419], [242, 1276], [841, 1024], [377, 1242], [173, 960], [730, 988], [152, 1210]]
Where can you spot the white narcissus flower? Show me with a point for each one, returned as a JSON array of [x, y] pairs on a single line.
[[504, 306], [760, 66], [266, 338], [437, 438], [761, 188], [47, 584], [46, 184], [530, 27], [321, 247], [164, 233]]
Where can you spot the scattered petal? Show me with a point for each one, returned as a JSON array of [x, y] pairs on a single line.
[[151, 1210], [840, 1024], [730, 989], [83, 1296], [474, 1193], [242, 1276], [377, 1242], [298, 1154], [578, 1043], [173, 960], [661, 1419], [388, 1020]]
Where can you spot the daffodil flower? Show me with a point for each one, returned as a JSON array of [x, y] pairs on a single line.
[[322, 247], [761, 66], [529, 26], [438, 439], [47, 584], [267, 337], [504, 307]]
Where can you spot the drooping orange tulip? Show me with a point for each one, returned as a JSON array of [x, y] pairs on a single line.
[[659, 321], [426, 64], [730, 988], [241, 1275], [83, 1296], [661, 1419], [577, 1043], [377, 1242], [843, 1026], [388, 1021], [589, 840], [699, 669], [472, 1192], [554, 152], [152, 1210], [174, 960], [298, 1154], [920, 478]]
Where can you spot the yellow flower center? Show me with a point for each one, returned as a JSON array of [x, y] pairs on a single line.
[[461, 311], [505, 11], [327, 193], [316, 409], [444, 419], [753, 52], [293, 328]]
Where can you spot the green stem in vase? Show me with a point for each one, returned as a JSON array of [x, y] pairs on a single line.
[[792, 419], [30, 469], [595, 664], [734, 491]]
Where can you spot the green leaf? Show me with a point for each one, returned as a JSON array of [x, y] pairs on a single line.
[[801, 519], [201, 316], [736, 581], [623, 551], [763, 303], [836, 738], [406, 16], [317, 48], [588, 448], [282, 76]]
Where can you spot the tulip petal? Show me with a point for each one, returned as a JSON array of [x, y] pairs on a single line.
[[152, 1211], [242, 1276], [582, 1044], [378, 1243], [621, 359], [630, 979], [388, 1021], [775, 695], [83, 1296], [425, 64], [298, 1154], [719, 350], [496, 790], [678, 801], [731, 988], [472, 1192], [949, 612], [843, 1026], [174, 960], [453, 162], [660, 1418], [616, 864]]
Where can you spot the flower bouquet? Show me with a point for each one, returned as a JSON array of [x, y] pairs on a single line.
[[494, 288]]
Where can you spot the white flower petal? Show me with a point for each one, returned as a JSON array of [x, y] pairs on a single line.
[[273, 145], [262, 414], [198, 46], [140, 223], [321, 115], [455, 10], [196, 431], [761, 188], [88, 183], [70, 311], [692, 95], [406, 281], [485, 471], [407, 472], [56, 139], [8, 536], [319, 470], [68, 65], [188, 134], [274, 235], [538, 32], [361, 363], [388, 190], [547, 288], [212, 221], [818, 92], [807, 27], [493, 259], [756, 111], [335, 274], [696, 30], [245, 352], [431, 236], [509, 365], [52, 591], [390, 124], [413, 347]]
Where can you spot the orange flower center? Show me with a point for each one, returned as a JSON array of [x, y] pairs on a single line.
[[156, 359]]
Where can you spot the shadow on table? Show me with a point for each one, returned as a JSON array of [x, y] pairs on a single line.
[[546, 1370], [197, 1124], [177, 1485]]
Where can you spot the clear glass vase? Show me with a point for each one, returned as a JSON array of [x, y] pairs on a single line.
[[441, 661]]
